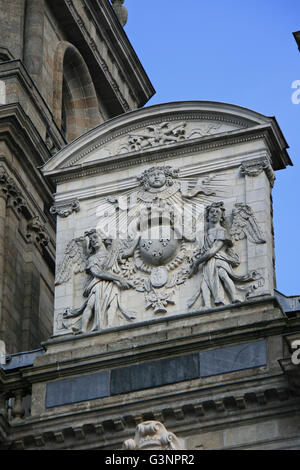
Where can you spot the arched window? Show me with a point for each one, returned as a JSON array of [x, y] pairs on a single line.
[[75, 102]]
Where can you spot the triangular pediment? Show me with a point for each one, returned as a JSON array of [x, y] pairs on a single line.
[[159, 127]]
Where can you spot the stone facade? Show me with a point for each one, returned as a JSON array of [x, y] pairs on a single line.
[[210, 166], [149, 339], [50, 95]]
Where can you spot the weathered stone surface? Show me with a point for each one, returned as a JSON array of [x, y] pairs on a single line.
[[156, 276], [152, 435], [208, 370], [154, 374], [83, 388], [233, 358]]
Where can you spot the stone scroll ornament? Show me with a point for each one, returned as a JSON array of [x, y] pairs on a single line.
[[152, 435], [216, 259]]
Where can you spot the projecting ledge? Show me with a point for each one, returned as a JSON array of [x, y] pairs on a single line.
[[160, 337]]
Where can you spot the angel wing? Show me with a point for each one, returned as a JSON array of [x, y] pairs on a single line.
[[74, 260], [244, 224]]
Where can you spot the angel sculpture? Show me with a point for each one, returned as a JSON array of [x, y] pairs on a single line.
[[216, 259], [102, 289]]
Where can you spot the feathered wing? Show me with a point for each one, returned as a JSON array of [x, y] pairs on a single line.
[[74, 260], [244, 224]]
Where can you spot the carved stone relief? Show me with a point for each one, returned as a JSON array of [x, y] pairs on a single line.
[[168, 133], [66, 208], [33, 229], [36, 231], [162, 134], [207, 128], [152, 435], [216, 259], [137, 138], [256, 167], [11, 192], [152, 241]]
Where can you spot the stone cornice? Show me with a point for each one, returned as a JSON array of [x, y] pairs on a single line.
[[157, 154], [15, 68], [95, 52], [21, 136], [247, 124], [189, 339], [230, 403], [110, 33], [137, 80], [126, 184], [136, 126]]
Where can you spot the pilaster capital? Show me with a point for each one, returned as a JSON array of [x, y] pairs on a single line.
[[256, 167]]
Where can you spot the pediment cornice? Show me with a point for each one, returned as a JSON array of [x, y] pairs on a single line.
[[164, 131]]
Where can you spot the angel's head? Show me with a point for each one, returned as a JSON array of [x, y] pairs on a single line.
[[215, 213], [95, 240], [158, 176]]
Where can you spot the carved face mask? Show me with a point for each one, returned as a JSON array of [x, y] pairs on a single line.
[[157, 179]]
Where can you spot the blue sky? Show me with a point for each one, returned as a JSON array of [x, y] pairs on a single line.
[[239, 52]]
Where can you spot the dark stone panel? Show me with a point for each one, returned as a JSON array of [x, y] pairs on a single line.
[[83, 388], [233, 358], [154, 374]]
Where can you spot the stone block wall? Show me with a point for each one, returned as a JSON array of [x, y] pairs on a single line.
[[41, 33], [50, 62], [26, 264], [12, 16]]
